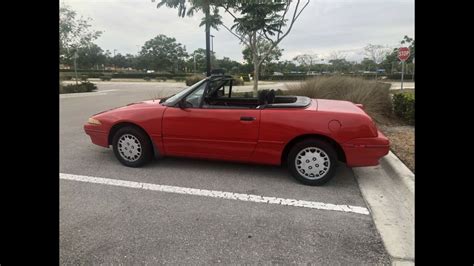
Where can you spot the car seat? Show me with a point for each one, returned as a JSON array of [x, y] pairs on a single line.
[[262, 97]]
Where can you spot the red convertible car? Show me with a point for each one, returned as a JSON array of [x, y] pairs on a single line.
[[206, 121]]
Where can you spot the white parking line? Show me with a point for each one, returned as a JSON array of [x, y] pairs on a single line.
[[216, 194]]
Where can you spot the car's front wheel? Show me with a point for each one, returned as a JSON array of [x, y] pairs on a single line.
[[132, 147], [312, 162]]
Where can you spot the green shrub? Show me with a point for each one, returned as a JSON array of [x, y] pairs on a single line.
[[404, 106], [147, 78], [179, 78], [193, 79], [398, 76], [82, 87], [104, 78], [373, 95], [85, 70]]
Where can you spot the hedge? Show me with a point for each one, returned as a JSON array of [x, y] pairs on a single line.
[[86, 70], [404, 106], [82, 87], [141, 75], [398, 76], [105, 78], [193, 79], [179, 78], [130, 75]]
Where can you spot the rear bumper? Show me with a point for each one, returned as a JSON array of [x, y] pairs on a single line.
[[98, 136], [366, 151]]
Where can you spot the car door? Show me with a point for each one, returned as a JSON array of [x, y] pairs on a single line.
[[222, 133]]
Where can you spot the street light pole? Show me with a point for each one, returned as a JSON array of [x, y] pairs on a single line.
[[208, 30], [212, 48]]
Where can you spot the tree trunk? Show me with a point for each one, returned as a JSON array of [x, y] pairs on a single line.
[[255, 77]]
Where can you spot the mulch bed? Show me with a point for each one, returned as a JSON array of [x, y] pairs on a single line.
[[402, 142]]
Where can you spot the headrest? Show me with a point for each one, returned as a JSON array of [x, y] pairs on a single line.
[[271, 97], [262, 96]]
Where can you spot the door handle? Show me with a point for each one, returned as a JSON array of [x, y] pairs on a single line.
[[247, 118]]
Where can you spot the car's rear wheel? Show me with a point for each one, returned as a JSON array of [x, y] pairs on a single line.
[[312, 162], [132, 147]]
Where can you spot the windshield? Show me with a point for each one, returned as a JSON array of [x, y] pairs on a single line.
[[183, 92]]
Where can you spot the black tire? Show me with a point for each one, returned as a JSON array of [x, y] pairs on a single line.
[[321, 149], [145, 149]]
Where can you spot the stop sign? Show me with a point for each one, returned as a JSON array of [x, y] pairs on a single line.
[[403, 53]]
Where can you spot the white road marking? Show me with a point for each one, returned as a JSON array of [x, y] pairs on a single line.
[[216, 194], [84, 94], [81, 94]]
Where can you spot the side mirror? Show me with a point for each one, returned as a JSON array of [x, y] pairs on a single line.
[[182, 103]]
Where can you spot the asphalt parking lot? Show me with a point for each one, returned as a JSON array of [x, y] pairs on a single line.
[[101, 223]]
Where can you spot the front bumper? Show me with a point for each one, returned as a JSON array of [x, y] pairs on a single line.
[[98, 136], [366, 151]]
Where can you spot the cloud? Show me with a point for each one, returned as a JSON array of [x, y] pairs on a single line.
[[323, 27]]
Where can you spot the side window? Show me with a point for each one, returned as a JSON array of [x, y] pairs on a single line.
[[195, 98], [223, 90]]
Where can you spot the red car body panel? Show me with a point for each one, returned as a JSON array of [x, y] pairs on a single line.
[[221, 134]]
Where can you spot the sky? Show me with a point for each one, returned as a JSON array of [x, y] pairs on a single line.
[[325, 26]]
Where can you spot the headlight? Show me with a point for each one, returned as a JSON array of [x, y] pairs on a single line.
[[93, 121]]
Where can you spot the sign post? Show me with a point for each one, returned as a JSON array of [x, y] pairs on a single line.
[[403, 54]]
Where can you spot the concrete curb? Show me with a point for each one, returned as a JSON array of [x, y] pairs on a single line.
[[397, 169], [388, 190]]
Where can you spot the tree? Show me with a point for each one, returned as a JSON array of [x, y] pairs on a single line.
[[264, 45], [261, 22], [119, 61], [198, 57], [377, 54], [306, 60], [337, 55], [256, 22], [74, 33], [340, 65], [90, 57], [209, 20], [162, 53], [230, 66], [285, 66], [367, 64]]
